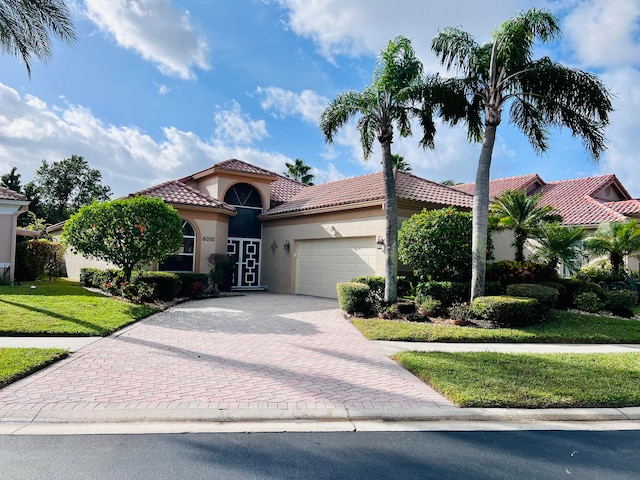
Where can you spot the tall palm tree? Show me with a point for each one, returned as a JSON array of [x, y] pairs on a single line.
[[616, 240], [299, 171], [387, 102], [559, 244], [541, 94], [517, 211], [26, 28]]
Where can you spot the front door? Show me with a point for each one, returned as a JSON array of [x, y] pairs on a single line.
[[245, 232]]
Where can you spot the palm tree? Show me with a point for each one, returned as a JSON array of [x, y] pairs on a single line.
[[517, 211], [390, 100], [559, 244], [28, 25], [398, 162], [11, 180], [541, 94], [299, 171], [615, 239]]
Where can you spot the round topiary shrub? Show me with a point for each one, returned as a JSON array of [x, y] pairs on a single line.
[[547, 297], [588, 302], [504, 311], [353, 297]]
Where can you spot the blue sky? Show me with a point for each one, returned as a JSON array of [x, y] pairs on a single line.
[[157, 89]]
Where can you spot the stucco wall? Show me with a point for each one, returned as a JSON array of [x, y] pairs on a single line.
[[7, 235]]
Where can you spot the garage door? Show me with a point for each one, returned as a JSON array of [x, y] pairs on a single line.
[[321, 264]]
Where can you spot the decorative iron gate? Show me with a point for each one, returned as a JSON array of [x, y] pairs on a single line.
[[247, 252]]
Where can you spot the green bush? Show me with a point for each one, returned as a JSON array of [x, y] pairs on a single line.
[[547, 297], [376, 289], [353, 296], [222, 269], [447, 293], [624, 298], [564, 299], [588, 302], [600, 274], [193, 284], [35, 258], [167, 284], [88, 277], [507, 272], [504, 311]]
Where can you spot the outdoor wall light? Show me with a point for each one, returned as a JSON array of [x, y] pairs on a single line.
[[286, 246], [380, 243]]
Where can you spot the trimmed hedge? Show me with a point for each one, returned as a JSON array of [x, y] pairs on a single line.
[[504, 311], [547, 297], [564, 299], [507, 272], [624, 298], [193, 284], [376, 288], [167, 284], [35, 258], [352, 297]]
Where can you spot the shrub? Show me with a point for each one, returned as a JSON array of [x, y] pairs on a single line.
[[166, 285], [564, 299], [507, 272], [592, 288], [504, 311], [193, 284], [621, 299], [376, 289], [426, 304], [88, 277], [447, 293], [547, 297], [352, 297], [460, 311], [222, 269], [35, 258], [436, 244], [600, 274], [588, 302]]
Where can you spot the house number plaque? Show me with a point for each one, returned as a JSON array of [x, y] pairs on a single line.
[[208, 239]]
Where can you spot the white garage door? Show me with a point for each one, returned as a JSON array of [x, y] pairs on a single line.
[[321, 264]]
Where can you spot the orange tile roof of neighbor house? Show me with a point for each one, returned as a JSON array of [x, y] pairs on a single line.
[[578, 200], [8, 194], [369, 188]]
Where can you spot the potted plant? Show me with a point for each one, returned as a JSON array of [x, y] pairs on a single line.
[[427, 305], [460, 314], [388, 312]]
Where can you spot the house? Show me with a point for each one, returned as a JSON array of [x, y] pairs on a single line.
[[287, 237], [12, 204], [585, 202]]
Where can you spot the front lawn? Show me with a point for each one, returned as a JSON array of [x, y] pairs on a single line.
[[485, 379], [63, 307], [564, 327], [16, 363]]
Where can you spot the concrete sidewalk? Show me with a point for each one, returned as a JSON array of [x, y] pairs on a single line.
[[73, 344], [290, 361]]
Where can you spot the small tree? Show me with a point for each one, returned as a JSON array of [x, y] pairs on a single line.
[[126, 232], [437, 244], [559, 244], [299, 171], [616, 240]]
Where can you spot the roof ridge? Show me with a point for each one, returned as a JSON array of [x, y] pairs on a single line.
[[603, 204]]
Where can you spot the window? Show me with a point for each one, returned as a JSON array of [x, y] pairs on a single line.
[[183, 259]]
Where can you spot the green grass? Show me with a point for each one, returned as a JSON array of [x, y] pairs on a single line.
[[63, 308], [563, 327], [16, 363], [484, 379]]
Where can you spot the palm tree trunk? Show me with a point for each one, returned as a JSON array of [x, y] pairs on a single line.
[[481, 214], [391, 231]]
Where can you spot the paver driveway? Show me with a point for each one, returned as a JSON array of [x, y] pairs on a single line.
[[258, 351]]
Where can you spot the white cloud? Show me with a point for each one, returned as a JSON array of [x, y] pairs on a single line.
[[154, 29], [238, 128], [129, 158], [356, 27], [605, 33], [163, 89], [307, 104]]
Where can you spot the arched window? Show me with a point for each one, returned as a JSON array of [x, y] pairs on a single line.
[[183, 259], [248, 204]]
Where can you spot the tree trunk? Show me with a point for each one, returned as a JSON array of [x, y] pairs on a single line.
[[481, 213], [391, 231]]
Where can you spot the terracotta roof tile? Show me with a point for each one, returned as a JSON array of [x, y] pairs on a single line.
[[367, 188], [500, 185], [626, 207], [284, 189], [176, 192], [234, 165], [8, 194]]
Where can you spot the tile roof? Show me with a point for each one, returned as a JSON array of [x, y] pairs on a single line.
[[234, 165], [284, 189], [574, 199], [367, 188], [176, 192], [8, 194], [500, 185]]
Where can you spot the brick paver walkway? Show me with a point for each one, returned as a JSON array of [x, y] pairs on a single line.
[[260, 350]]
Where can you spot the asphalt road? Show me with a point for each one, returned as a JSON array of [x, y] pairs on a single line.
[[368, 455]]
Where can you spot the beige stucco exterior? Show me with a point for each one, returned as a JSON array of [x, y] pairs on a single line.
[[9, 211]]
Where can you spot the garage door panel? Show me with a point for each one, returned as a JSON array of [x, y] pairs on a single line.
[[321, 264]]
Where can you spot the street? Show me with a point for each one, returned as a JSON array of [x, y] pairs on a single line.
[[521, 455]]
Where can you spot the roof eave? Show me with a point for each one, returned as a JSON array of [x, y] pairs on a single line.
[[316, 211]]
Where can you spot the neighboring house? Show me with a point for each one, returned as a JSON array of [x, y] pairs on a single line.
[[586, 202], [287, 237], [12, 204]]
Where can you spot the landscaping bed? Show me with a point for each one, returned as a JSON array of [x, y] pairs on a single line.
[[63, 307], [493, 380], [16, 363]]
